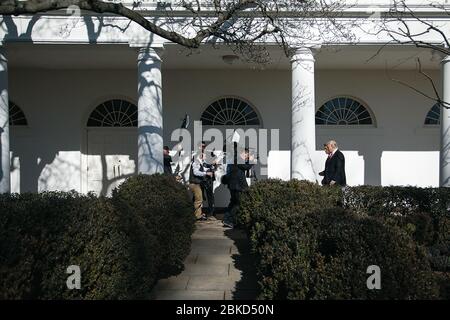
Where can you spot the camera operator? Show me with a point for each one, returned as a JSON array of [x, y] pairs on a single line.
[[198, 174]]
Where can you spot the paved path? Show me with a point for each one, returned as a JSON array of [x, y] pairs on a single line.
[[219, 267]]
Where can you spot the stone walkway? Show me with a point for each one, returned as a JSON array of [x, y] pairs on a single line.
[[219, 267]]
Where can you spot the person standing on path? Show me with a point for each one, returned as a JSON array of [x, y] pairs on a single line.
[[237, 182]]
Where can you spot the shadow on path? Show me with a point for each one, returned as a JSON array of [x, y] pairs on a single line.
[[246, 288], [219, 267]]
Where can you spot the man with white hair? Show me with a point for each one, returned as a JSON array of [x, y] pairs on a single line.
[[334, 172]]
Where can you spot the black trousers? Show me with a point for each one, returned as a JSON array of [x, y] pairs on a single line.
[[208, 192], [233, 206]]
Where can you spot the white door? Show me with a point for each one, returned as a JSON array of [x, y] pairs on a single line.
[[112, 157]]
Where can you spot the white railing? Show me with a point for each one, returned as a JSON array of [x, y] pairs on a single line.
[[350, 5]]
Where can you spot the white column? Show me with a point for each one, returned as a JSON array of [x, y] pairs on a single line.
[[5, 185], [150, 119], [444, 165], [303, 115]]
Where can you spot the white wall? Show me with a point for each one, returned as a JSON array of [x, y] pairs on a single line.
[[400, 115], [57, 104]]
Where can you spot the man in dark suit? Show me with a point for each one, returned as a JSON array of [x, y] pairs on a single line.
[[334, 172], [237, 183]]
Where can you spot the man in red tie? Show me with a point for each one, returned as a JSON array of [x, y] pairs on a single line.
[[334, 172]]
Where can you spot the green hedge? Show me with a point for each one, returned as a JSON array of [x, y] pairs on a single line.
[[166, 210], [118, 250], [309, 247], [267, 196], [423, 212], [376, 200], [426, 210]]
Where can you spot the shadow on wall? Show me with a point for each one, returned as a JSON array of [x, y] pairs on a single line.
[[94, 24], [94, 27], [446, 158], [31, 172], [107, 174], [34, 171], [1, 153], [11, 29]]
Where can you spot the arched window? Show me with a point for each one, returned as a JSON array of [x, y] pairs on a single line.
[[16, 115], [434, 115], [343, 111], [229, 112], [114, 113]]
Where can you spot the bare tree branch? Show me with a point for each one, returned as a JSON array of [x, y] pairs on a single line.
[[436, 97], [243, 25]]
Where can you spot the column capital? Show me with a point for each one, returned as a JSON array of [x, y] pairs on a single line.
[[150, 53], [445, 59], [304, 53]]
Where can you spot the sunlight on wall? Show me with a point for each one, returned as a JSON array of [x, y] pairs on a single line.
[[62, 174], [279, 166], [15, 174], [415, 168]]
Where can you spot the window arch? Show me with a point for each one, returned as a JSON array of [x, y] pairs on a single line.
[[16, 115], [434, 115], [344, 111], [114, 113], [230, 112]]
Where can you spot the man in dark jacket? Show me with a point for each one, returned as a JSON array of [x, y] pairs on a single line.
[[334, 172], [167, 161], [208, 182], [237, 182]]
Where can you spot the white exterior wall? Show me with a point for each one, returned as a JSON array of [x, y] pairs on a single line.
[[397, 150], [57, 103]]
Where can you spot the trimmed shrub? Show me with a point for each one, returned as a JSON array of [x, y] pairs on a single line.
[[348, 244], [165, 209], [31, 230], [308, 248], [376, 200], [423, 212], [267, 196], [119, 255]]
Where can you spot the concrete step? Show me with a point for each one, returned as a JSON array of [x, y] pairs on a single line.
[[208, 283], [241, 295], [189, 295], [219, 259], [173, 283], [206, 269], [218, 267]]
